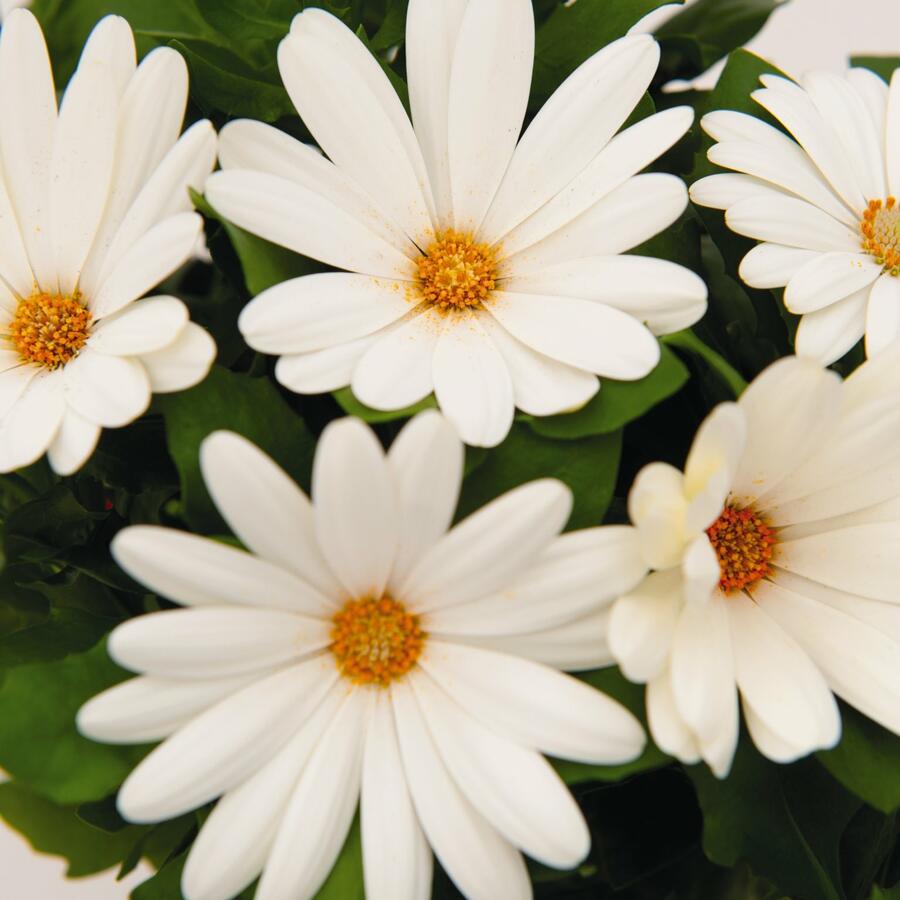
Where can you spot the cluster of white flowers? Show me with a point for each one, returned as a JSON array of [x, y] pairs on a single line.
[[361, 652]]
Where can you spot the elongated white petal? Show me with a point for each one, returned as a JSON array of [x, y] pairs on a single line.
[[74, 443], [356, 508], [321, 371], [829, 278], [472, 383], [669, 730], [883, 315], [111, 43], [479, 861], [199, 571], [535, 705], [488, 550], [321, 808], [273, 518], [827, 334], [892, 136], [657, 506], [31, 425], [225, 745], [773, 265], [183, 363], [143, 327], [107, 390], [724, 191]]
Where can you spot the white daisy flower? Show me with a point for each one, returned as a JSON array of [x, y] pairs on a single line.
[[363, 651], [94, 212], [776, 568], [825, 204], [481, 267]]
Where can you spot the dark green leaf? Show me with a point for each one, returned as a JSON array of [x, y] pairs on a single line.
[[346, 879], [251, 407], [164, 885], [353, 407], [617, 403], [65, 631]]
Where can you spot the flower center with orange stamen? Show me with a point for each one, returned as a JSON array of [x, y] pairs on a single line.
[[880, 228], [744, 545], [375, 641], [50, 329], [456, 273]]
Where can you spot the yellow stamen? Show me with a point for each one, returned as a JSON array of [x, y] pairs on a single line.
[[50, 329], [744, 544], [880, 227], [375, 641], [457, 273]]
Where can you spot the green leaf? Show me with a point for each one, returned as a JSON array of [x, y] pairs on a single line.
[[40, 746], [881, 65], [234, 402], [611, 681], [617, 403], [867, 760], [576, 31], [392, 30], [787, 821], [51, 828], [346, 879], [588, 466], [65, 631], [353, 407], [165, 884], [687, 340]]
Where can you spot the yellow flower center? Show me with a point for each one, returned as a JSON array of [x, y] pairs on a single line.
[[375, 641], [456, 273], [880, 228], [744, 544], [50, 329]]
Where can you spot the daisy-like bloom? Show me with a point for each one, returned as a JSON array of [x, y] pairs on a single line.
[[775, 568], [481, 267], [362, 652], [94, 212], [824, 204]]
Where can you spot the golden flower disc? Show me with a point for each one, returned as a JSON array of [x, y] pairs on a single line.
[[50, 329]]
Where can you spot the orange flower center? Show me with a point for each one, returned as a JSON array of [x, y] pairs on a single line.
[[50, 329], [456, 273], [376, 641], [880, 228], [744, 544]]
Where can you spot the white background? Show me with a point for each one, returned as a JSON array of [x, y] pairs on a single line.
[[803, 34]]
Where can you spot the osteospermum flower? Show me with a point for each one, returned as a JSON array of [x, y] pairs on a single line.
[[825, 204], [775, 568], [361, 651], [94, 212], [482, 269]]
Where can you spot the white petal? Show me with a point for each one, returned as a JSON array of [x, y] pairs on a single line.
[[657, 506], [472, 383], [827, 334], [15, 269], [883, 314], [786, 691], [150, 259], [396, 857], [111, 43], [350, 107], [534, 705], [589, 336], [396, 369], [489, 84], [541, 385], [321, 371], [513, 787], [84, 146], [31, 425], [74, 443], [789, 410], [665, 296], [317, 311], [225, 745], [873, 92], [146, 708], [669, 730], [107, 390], [305, 221], [356, 507], [426, 463], [642, 625], [198, 571], [14, 379], [795, 223], [232, 847], [183, 363], [142, 327], [829, 278], [272, 517], [28, 109], [572, 127], [213, 641], [726, 190], [703, 680], [321, 808], [892, 136], [773, 265], [479, 861], [431, 35], [575, 575], [700, 570], [489, 549]]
